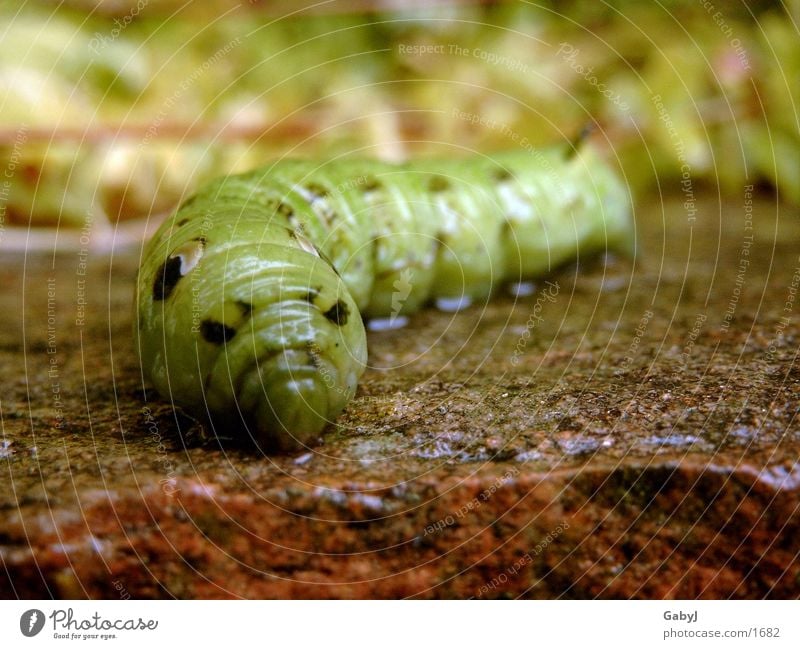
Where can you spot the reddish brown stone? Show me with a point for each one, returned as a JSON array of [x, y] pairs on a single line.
[[660, 463]]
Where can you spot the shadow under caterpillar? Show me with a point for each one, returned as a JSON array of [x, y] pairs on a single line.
[[250, 297]]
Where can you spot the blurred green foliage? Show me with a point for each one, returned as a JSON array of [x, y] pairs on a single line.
[[120, 114]]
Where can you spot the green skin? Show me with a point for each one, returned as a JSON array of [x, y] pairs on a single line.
[[251, 296]]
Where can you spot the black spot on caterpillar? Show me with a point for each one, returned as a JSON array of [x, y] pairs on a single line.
[[216, 332], [178, 264], [371, 184], [245, 307], [438, 184], [285, 209], [167, 277], [338, 313], [245, 311], [187, 203]]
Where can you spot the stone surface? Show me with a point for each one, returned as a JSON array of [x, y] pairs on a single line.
[[642, 441]]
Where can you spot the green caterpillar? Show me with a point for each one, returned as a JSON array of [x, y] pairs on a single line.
[[251, 296]]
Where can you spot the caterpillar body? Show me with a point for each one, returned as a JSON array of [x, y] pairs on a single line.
[[250, 297]]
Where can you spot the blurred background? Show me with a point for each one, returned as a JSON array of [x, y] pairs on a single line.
[[112, 112]]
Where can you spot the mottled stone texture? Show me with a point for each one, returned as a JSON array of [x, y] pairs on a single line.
[[642, 441]]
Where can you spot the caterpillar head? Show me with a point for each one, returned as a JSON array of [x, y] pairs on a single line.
[[259, 334]]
